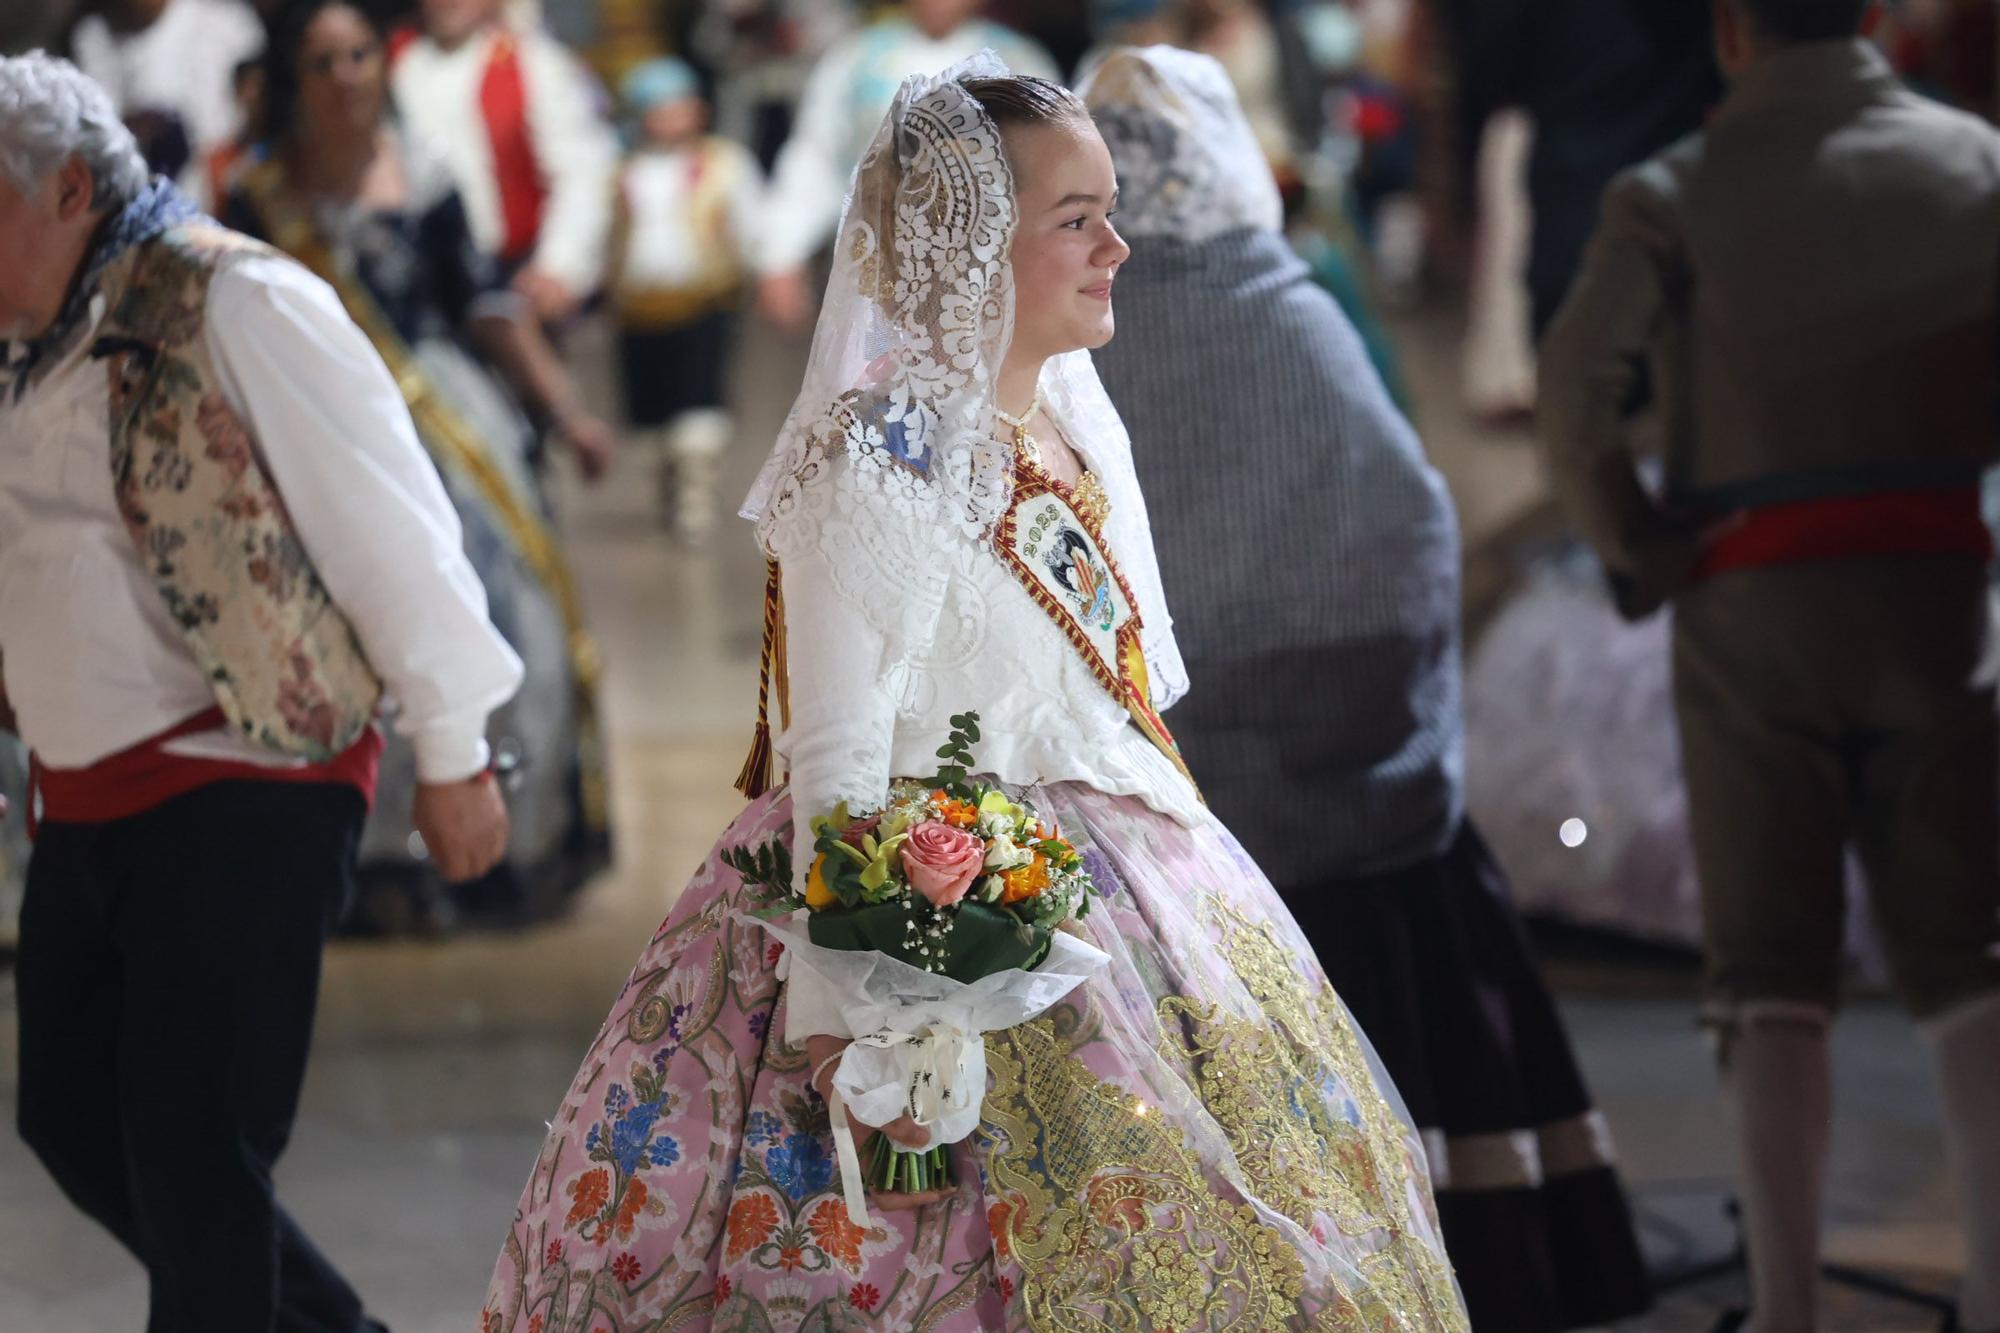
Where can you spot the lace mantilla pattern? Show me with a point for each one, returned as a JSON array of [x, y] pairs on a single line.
[[918, 314], [1189, 166]]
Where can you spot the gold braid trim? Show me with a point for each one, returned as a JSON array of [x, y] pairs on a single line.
[[760, 766], [454, 444]]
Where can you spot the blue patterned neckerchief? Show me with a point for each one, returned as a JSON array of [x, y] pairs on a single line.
[[159, 206]]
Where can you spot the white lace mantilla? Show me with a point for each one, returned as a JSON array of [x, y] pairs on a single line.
[[881, 498], [1189, 165]]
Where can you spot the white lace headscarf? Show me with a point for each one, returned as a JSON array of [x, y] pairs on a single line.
[[897, 405], [1188, 162], [917, 317]]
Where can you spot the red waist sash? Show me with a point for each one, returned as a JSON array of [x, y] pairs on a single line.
[[1929, 522], [142, 776]]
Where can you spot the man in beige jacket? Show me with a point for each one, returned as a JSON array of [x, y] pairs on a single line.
[[1804, 294]]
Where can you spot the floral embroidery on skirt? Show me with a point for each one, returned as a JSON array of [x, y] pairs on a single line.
[[1196, 1139]]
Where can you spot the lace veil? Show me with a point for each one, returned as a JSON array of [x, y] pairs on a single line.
[[1188, 162], [895, 418], [918, 313]]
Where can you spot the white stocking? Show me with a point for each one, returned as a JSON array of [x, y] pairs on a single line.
[[1777, 1070], [1967, 1042], [695, 442]]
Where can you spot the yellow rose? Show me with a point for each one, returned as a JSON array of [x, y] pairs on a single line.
[[818, 895]]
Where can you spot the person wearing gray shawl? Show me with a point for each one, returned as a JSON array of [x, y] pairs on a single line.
[[1310, 553]]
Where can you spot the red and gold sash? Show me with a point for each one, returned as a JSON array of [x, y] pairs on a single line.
[[1055, 547], [1054, 544]]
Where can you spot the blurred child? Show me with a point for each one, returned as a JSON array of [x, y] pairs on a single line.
[[227, 160], [682, 232]]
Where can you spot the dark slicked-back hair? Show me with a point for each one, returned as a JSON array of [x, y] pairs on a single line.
[[1792, 21]]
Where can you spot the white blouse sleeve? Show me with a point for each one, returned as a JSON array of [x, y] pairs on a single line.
[[809, 181], [333, 430], [578, 156], [862, 602]]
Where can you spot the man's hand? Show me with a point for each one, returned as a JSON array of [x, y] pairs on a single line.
[[551, 297], [463, 825], [902, 1131], [593, 443], [784, 300]]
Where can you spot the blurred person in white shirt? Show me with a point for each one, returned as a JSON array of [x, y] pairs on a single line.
[[520, 122], [222, 551], [843, 103], [170, 67]]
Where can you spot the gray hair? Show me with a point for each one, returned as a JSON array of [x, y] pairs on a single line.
[[50, 109]]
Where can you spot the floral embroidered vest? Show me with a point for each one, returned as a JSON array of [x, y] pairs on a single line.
[[211, 528]]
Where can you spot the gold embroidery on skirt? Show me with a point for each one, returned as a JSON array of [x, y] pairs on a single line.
[[1365, 1175], [1113, 1221]]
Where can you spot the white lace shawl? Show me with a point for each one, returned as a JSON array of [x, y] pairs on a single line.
[[1189, 166], [882, 494]]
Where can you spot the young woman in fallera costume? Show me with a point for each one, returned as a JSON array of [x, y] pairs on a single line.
[[1198, 1137]]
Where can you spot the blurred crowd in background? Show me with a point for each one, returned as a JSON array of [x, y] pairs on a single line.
[[674, 166]]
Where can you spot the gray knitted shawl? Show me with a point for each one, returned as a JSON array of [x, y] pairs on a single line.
[[1309, 554]]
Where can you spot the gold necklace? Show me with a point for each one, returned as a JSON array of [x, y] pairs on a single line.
[[1024, 443]]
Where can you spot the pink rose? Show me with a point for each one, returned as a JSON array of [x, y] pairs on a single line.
[[942, 861]]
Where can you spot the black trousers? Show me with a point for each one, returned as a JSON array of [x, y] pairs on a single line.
[[168, 973]]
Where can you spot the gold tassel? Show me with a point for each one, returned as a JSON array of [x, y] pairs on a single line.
[[760, 766], [755, 778]]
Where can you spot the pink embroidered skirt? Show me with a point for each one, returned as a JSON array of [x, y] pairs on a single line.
[[1198, 1138]]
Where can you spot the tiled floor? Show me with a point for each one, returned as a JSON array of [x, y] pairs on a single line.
[[436, 1063]]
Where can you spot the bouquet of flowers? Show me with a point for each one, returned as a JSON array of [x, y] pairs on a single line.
[[933, 920]]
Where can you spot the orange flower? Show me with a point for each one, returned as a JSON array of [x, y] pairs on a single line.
[[818, 896], [836, 1235], [1003, 1236], [752, 1219], [1006, 1219], [958, 814], [628, 1209], [591, 1191], [1026, 881]]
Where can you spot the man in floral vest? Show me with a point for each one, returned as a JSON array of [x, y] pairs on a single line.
[[222, 552]]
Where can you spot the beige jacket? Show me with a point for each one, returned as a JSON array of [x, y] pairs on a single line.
[[1808, 287]]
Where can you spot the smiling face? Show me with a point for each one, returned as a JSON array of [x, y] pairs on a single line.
[[1066, 253], [343, 84]]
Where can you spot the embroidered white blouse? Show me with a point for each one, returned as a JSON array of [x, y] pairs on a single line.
[[881, 660], [92, 661]]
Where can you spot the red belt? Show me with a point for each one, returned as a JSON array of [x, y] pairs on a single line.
[[146, 775], [1933, 522]]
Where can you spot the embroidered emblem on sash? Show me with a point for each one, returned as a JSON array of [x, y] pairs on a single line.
[[1059, 556]]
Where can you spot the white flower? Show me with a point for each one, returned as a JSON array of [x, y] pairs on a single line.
[[1005, 854]]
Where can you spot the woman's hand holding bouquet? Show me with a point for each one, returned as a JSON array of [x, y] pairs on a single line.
[[930, 922]]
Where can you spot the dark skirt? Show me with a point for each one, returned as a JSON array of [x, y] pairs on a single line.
[[676, 370], [1433, 963]]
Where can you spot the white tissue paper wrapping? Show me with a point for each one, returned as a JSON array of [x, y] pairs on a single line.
[[919, 1048]]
